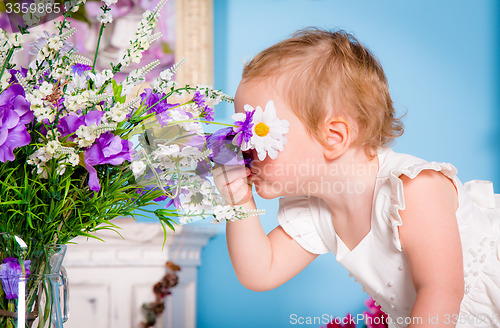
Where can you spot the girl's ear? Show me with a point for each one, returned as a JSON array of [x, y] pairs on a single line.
[[337, 133]]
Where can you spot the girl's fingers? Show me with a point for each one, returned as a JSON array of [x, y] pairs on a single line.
[[233, 182], [229, 174]]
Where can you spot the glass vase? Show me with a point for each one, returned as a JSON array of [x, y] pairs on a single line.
[[39, 299]]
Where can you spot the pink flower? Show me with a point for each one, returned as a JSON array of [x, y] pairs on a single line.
[[375, 317], [347, 322]]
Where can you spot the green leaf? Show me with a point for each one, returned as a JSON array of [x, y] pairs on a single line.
[[117, 90]]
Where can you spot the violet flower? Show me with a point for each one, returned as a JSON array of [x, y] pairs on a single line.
[[243, 128], [199, 99], [107, 149], [42, 41], [165, 117], [68, 125], [140, 192], [203, 169], [80, 68], [23, 71], [160, 198], [154, 101], [93, 117], [5, 23], [176, 201], [223, 151], [148, 177], [208, 114], [10, 272], [156, 105], [15, 113]]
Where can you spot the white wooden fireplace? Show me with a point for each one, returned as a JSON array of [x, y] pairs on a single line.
[[109, 281]]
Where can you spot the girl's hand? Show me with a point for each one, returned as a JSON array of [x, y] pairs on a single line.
[[234, 183]]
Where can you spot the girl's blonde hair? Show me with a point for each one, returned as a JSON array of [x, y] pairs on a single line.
[[331, 73]]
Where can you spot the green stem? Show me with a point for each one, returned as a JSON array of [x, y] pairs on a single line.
[[12, 308], [97, 47], [7, 60], [186, 88], [218, 123], [201, 121], [63, 23]]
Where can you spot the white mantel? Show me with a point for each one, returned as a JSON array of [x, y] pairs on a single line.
[[109, 281]]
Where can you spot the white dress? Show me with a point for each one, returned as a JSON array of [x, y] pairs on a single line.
[[378, 262]]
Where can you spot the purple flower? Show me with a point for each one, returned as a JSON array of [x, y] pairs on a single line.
[[23, 71], [5, 23], [148, 188], [149, 99], [165, 117], [199, 99], [161, 198], [42, 41], [148, 177], [15, 113], [223, 151], [69, 124], [10, 272], [203, 169], [93, 117], [208, 113], [176, 201], [80, 68], [154, 101], [140, 192], [156, 104], [243, 129], [107, 149]]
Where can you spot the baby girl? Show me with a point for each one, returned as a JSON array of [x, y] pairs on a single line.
[[405, 228]]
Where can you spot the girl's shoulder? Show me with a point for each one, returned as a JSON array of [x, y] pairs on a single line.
[[395, 169], [392, 165]]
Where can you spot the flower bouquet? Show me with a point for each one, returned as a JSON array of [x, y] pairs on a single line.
[[78, 148]]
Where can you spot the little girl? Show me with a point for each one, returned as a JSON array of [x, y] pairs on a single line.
[[405, 228]]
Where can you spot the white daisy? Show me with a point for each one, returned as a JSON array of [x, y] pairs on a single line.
[[268, 132]]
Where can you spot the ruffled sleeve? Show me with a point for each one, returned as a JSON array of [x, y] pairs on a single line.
[[397, 195], [294, 216]]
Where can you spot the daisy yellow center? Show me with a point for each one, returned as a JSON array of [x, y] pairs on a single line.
[[261, 129]]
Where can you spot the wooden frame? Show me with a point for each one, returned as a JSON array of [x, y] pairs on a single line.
[[194, 41]]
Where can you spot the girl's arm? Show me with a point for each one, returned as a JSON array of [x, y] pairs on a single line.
[[431, 241], [261, 262]]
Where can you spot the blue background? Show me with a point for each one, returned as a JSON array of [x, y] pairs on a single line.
[[441, 60]]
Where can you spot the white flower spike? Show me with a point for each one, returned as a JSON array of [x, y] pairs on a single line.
[[268, 132]]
